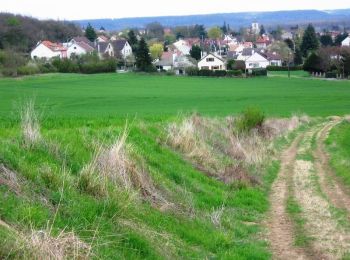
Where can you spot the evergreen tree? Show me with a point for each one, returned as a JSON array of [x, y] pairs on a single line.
[[341, 37], [143, 57], [262, 30], [313, 63], [326, 40], [196, 52], [298, 57], [132, 40], [90, 33], [224, 28], [309, 42]]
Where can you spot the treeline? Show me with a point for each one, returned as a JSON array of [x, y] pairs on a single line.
[[21, 33]]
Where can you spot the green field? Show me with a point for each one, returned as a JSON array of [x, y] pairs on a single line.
[[338, 144], [183, 211], [142, 95]]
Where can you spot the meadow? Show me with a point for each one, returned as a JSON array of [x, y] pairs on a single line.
[[96, 96], [117, 166]]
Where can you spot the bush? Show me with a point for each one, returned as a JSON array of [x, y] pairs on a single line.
[[250, 118], [234, 73], [205, 73], [66, 65], [28, 70], [259, 72], [47, 68], [283, 68], [331, 75], [98, 67], [192, 71], [219, 73]]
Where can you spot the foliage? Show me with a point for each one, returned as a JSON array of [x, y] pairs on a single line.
[[90, 33], [10, 61], [284, 68], [309, 42], [231, 64], [339, 38], [195, 31], [156, 50], [298, 57], [250, 118], [326, 40], [259, 72], [262, 30], [143, 58], [313, 63], [239, 65], [22, 33], [196, 52], [155, 30], [214, 33], [283, 50], [345, 61], [132, 39]]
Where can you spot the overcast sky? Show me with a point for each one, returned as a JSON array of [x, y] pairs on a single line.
[[79, 9]]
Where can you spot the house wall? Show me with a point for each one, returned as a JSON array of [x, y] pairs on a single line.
[[41, 51], [75, 49], [346, 42], [127, 50], [256, 61], [217, 64]]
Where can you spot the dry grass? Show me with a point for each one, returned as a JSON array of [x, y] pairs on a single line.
[[115, 166], [30, 124], [217, 149], [10, 179]]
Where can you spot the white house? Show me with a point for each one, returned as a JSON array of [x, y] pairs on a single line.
[[48, 50], [211, 62], [114, 49], [346, 41], [256, 61], [183, 47], [79, 49]]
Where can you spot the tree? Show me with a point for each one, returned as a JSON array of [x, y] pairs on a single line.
[[224, 28], [313, 63], [132, 40], [90, 33], [156, 50], [326, 40], [199, 31], [155, 30], [309, 42], [143, 58], [231, 64], [290, 43], [345, 61], [196, 52], [262, 30], [298, 57], [214, 33], [340, 37], [283, 50]]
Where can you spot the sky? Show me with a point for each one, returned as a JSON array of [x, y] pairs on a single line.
[[79, 9]]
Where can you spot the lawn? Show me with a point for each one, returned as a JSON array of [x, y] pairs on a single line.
[[142, 95]]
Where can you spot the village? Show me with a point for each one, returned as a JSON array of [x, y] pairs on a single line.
[[256, 49]]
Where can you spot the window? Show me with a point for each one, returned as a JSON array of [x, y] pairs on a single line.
[[204, 68], [215, 67], [210, 59]]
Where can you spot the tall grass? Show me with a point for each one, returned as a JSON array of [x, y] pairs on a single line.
[[30, 124]]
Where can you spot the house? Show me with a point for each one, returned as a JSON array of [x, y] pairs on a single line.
[[48, 50], [114, 49], [78, 49], [81, 39], [262, 42], [346, 41], [182, 46], [273, 58], [256, 61], [166, 62], [171, 60], [102, 38], [211, 62], [286, 36]]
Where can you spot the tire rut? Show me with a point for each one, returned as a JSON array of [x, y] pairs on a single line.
[[280, 226], [333, 189]]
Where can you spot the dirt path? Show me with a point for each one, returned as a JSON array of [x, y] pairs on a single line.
[[280, 226], [333, 189]]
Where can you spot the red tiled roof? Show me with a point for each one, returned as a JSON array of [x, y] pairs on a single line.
[[54, 46]]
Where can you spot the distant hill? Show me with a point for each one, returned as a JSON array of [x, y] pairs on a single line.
[[235, 20]]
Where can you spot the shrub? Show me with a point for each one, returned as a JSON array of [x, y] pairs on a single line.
[[47, 67], [283, 68], [28, 70], [259, 72], [219, 73], [205, 73], [250, 118], [331, 75], [66, 65], [192, 71], [234, 73]]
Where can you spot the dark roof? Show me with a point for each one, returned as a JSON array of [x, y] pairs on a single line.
[[118, 45], [83, 39], [102, 46], [232, 55], [271, 56]]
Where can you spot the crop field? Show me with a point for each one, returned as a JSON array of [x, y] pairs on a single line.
[[142, 95], [132, 166]]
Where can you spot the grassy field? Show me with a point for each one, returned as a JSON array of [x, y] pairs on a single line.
[[338, 144], [97, 96], [56, 173]]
